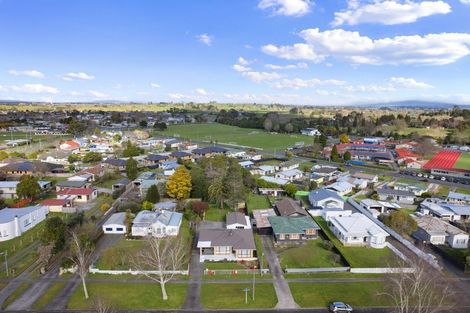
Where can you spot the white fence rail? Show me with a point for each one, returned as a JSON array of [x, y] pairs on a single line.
[[382, 270], [134, 272], [235, 272], [318, 270]]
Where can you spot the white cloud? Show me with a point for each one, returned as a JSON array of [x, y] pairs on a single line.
[[465, 1], [77, 76], [98, 94], [243, 61], [259, 77], [154, 85], [297, 83], [287, 67], [201, 92], [176, 96], [298, 51], [403, 82], [390, 12], [35, 88], [294, 8], [430, 49], [205, 39], [28, 73]]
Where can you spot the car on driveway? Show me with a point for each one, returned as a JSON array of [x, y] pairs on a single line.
[[340, 307]]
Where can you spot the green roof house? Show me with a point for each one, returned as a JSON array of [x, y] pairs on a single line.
[[287, 228]]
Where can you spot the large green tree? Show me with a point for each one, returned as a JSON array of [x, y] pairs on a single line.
[[92, 157], [132, 169], [131, 150], [233, 186], [334, 154], [200, 183], [28, 187], [401, 222], [152, 195], [54, 232], [217, 192]]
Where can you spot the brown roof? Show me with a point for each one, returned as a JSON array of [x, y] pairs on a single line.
[[288, 207], [236, 218], [235, 238]]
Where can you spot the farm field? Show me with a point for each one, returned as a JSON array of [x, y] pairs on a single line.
[[433, 132], [226, 134]]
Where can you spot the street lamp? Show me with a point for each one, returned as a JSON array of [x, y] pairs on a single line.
[[254, 281], [5, 254], [246, 294]]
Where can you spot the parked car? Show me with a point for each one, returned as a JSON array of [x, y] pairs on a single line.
[[443, 178], [340, 307]]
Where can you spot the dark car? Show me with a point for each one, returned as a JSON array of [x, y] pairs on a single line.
[[340, 307]]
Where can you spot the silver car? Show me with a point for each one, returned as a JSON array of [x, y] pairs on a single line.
[[340, 307]]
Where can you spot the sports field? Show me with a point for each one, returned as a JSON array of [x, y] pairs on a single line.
[[226, 134], [463, 162]]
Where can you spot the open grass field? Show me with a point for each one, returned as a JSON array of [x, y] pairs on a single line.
[[231, 296], [463, 162], [48, 295], [359, 256], [226, 134], [433, 132], [462, 190], [130, 296], [311, 255], [357, 294]]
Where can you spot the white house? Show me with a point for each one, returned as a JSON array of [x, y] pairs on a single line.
[[325, 198], [439, 232], [237, 220], [358, 230], [378, 206], [115, 224], [358, 183], [274, 180], [310, 132], [342, 188], [14, 222], [157, 224], [400, 196], [8, 188], [290, 175], [457, 197]]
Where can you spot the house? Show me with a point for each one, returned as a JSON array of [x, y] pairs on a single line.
[[66, 184], [123, 183], [115, 224], [14, 222], [288, 165], [261, 221], [370, 178], [182, 155], [165, 205], [328, 173], [82, 195], [287, 228], [31, 168], [438, 232], [8, 188], [226, 244], [310, 132], [289, 175], [274, 180], [275, 192], [358, 230], [417, 165], [400, 196], [263, 170], [96, 171], [115, 164], [325, 198], [357, 183], [209, 151], [457, 197], [157, 224], [246, 164], [64, 205], [70, 145], [378, 206], [445, 210], [144, 181], [317, 178], [169, 167], [237, 220], [82, 177], [404, 155], [341, 188], [56, 157], [235, 153], [155, 159], [289, 207], [417, 190]]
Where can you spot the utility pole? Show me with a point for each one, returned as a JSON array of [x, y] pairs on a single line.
[[5, 254], [246, 294]]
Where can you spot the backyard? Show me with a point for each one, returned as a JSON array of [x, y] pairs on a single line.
[[226, 134], [255, 202]]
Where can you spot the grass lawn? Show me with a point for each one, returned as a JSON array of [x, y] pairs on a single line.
[[408, 211], [16, 244], [411, 181], [224, 266], [360, 198], [463, 162], [255, 202], [48, 295], [359, 256], [462, 190], [216, 214], [443, 190], [331, 275], [108, 180], [18, 292], [231, 296], [130, 296], [310, 255], [256, 138], [357, 294], [259, 251], [458, 255]]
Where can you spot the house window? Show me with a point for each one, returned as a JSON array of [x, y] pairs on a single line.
[[119, 229], [244, 253], [109, 229]]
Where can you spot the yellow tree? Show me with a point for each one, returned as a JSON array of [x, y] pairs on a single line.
[[179, 185], [344, 138]]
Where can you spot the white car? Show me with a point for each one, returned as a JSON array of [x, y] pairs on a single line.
[[340, 307], [443, 178]]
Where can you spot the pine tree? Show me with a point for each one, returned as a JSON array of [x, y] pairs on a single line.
[[334, 154], [153, 195]]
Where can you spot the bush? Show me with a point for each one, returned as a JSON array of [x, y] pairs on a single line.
[[117, 193], [105, 207], [132, 206]]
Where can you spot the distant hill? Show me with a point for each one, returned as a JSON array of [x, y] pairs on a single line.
[[415, 104]]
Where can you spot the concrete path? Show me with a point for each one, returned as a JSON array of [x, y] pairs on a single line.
[[193, 295], [284, 295]]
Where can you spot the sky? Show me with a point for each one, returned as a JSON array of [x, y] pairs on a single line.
[[317, 52]]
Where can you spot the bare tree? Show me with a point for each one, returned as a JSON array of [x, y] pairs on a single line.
[[160, 260], [422, 290], [100, 305], [82, 252]]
